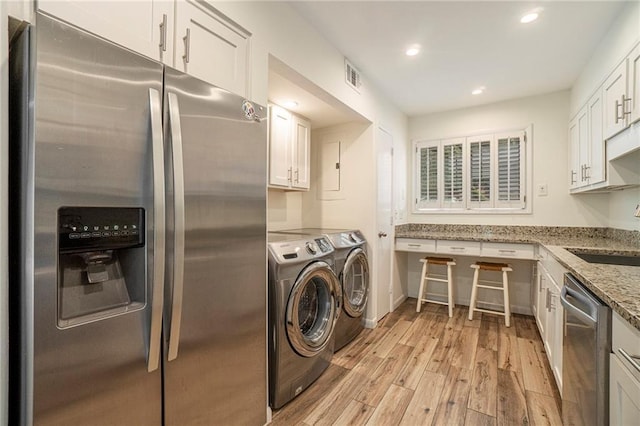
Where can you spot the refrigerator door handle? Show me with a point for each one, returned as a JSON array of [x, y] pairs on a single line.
[[157, 296], [178, 239]]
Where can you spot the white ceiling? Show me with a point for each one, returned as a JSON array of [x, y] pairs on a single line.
[[464, 45]]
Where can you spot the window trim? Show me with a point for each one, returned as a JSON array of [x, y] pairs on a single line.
[[526, 174]]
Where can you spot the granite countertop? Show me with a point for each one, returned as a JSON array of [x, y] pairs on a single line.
[[618, 286]]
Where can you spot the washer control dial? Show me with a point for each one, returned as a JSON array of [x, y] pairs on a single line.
[[312, 248]]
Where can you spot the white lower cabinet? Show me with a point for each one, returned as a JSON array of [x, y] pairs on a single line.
[[549, 314], [624, 377]]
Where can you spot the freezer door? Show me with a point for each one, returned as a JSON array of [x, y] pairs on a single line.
[[215, 321], [92, 147]]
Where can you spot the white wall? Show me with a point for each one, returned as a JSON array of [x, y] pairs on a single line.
[[284, 209], [622, 204], [548, 115], [618, 41], [344, 208], [277, 29]]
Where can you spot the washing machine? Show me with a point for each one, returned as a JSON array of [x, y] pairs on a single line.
[[352, 268], [303, 309]]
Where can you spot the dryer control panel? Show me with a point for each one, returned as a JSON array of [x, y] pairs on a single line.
[[285, 249]]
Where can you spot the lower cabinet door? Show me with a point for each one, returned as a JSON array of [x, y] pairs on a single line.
[[624, 395]]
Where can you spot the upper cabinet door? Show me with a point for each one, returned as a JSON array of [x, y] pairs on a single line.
[[211, 48], [280, 172], [596, 165], [574, 154], [145, 26], [633, 106], [301, 152], [615, 88]]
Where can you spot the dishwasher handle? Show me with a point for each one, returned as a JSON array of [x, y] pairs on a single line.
[[568, 306]]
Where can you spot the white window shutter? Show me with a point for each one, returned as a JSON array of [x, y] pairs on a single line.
[[453, 173], [427, 175], [480, 171], [510, 176]]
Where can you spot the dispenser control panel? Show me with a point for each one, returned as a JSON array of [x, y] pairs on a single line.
[[91, 228]]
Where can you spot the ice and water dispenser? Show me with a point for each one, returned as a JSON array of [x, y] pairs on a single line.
[[101, 263]]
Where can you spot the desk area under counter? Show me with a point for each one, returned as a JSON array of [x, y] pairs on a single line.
[[468, 248], [520, 256], [551, 247]]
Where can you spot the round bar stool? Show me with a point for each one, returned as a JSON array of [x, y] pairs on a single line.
[[500, 286], [441, 261]]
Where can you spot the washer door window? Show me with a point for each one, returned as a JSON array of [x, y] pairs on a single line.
[[355, 283], [311, 310]]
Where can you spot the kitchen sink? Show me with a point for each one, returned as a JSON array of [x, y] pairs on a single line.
[[609, 259]]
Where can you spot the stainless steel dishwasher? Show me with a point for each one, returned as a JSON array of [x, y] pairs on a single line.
[[585, 356]]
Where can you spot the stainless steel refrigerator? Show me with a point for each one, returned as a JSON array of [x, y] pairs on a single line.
[[138, 225]]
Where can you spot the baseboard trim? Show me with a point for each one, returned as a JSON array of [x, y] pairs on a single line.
[[399, 301], [370, 323]]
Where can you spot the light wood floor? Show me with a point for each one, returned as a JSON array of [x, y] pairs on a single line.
[[427, 368]]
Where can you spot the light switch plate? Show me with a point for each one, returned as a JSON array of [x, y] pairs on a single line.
[[637, 212], [542, 190]]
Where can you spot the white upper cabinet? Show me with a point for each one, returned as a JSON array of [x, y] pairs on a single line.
[[634, 84], [301, 145], [279, 146], [614, 94], [595, 170], [289, 149], [621, 95], [145, 26], [210, 47]]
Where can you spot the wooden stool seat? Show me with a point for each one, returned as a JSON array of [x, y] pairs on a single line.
[[437, 260], [424, 277], [500, 286], [491, 266]]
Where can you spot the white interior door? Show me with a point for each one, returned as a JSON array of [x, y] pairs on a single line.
[[384, 222]]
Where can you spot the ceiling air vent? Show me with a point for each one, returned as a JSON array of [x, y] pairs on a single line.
[[352, 76]]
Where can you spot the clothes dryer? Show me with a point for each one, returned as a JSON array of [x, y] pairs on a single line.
[[303, 308], [352, 268]]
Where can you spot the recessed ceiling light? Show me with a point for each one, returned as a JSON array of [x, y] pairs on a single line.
[[531, 15], [412, 50], [290, 104], [477, 91]]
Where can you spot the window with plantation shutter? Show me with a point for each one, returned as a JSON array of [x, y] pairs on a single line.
[[480, 171], [473, 174], [453, 174], [428, 181], [509, 173]]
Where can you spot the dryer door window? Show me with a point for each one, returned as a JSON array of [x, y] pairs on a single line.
[[311, 310], [355, 283]]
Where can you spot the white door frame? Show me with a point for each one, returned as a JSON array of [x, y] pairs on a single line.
[[380, 226]]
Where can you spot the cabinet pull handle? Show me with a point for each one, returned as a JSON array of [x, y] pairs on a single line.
[[163, 33], [457, 248], [624, 103], [414, 245], [289, 171], [631, 358], [587, 174], [621, 116], [187, 42], [548, 300], [506, 251], [297, 176], [573, 176]]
